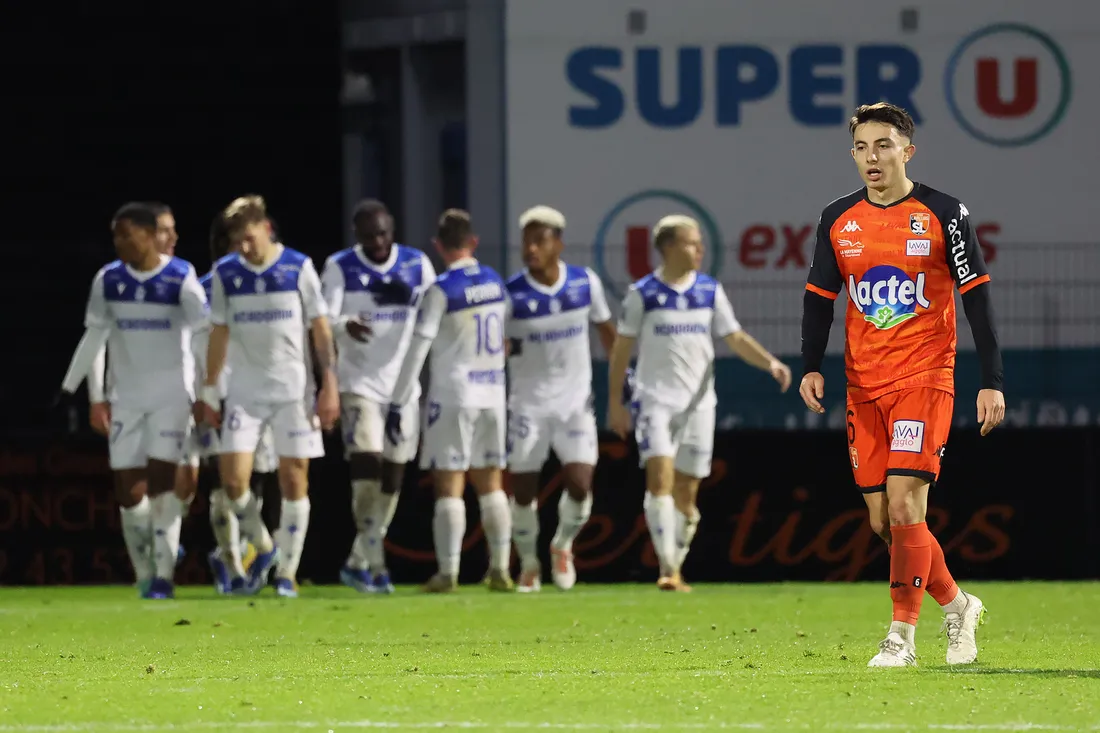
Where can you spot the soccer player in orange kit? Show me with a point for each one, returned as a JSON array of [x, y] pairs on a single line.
[[901, 248]]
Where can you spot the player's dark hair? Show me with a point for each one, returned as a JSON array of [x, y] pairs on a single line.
[[455, 229], [368, 208], [219, 238], [138, 214], [245, 210], [887, 114], [160, 209]]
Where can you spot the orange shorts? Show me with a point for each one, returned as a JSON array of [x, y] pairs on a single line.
[[899, 434]]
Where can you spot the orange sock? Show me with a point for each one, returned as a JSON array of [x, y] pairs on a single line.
[[941, 585], [910, 562]]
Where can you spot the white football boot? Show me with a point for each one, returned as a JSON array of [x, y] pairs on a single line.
[[961, 629], [894, 651]]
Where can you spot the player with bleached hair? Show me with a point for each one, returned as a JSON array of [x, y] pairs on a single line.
[[675, 314], [143, 306], [265, 301], [551, 305], [461, 322]]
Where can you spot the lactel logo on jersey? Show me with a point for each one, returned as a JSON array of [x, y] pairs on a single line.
[[742, 75], [887, 296]]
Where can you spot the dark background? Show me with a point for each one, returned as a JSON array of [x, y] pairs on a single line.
[[189, 103]]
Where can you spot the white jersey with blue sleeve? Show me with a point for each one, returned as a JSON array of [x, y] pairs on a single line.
[[550, 364], [353, 286], [676, 328], [463, 316], [268, 310], [149, 317]]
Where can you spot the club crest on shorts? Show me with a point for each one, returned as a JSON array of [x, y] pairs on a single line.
[[855, 457]]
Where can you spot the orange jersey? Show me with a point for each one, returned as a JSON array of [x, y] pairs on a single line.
[[900, 264]]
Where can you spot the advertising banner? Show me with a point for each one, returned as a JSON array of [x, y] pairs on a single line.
[[621, 111], [765, 517]]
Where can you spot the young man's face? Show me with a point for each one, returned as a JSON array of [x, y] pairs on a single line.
[[685, 251], [166, 234], [880, 153], [133, 243], [374, 233], [253, 241], [541, 247]]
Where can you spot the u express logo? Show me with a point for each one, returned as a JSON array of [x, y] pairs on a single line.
[[624, 242], [1006, 84]]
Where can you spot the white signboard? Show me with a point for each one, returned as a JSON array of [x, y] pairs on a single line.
[[621, 111]]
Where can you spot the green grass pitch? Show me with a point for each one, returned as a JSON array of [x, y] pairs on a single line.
[[624, 657]]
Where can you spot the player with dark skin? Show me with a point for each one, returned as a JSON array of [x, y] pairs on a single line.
[[542, 248], [373, 229]]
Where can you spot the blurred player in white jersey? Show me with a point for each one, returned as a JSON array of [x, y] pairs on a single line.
[[550, 403], [461, 321], [675, 314], [135, 502], [144, 306], [372, 290], [205, 445], [264, 300]]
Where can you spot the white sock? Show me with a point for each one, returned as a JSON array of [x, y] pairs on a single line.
[[137, 533], [496, 520], [448, 529], [685, 533], [291, 536], [227, 531], [247, 508], [525, 533], [660, 516], [572, 516], [907, 631], [957, 604], [364, 494], [167, 511], [381, 514]]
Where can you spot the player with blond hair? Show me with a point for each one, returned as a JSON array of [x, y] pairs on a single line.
[[265, 302], [674, 315]]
